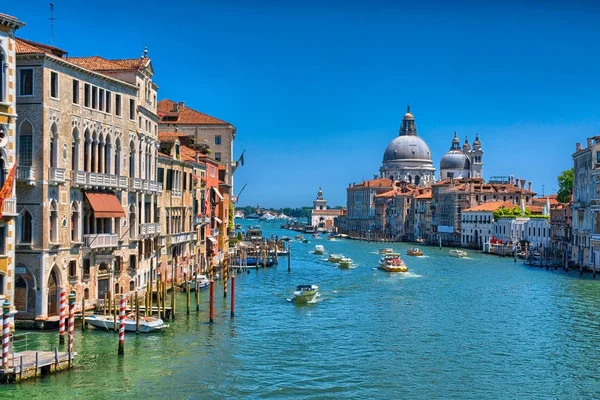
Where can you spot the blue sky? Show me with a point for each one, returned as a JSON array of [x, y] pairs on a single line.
[[317, 89]]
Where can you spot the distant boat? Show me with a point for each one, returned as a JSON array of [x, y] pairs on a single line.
[[345, 262], [306, 293], [203, 283], [335, 258], [457, 253], [253, 216], [319, 249], [386, 251], [414, 252]]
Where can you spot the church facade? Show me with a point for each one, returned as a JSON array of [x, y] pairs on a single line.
[[462, 162]]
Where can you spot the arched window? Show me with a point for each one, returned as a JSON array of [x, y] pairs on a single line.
[[118, 157], [2, 77], [107, 155], [132, 222], [94, 153], [75, 222], [75, 150], [131, 160], [86, 293], [117, 288], [26, 144], [131, 286], [417, 179], [100, 154], [26, 227], [53, 221], [54, 146], [87, 149]]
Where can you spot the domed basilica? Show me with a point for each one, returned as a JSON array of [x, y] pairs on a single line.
[[407, 157], [465, 162]]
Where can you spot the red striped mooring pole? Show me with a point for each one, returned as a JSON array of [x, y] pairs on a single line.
[[232, 295], [71, 323], [212, 302], [122, 325], [5, 333], [61, 322]]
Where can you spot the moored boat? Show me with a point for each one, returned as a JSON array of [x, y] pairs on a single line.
[[386, 251], [457, 253], [392, 262], [203, 283], [147, 324], [414, 252], [306, 293], [319, 249]]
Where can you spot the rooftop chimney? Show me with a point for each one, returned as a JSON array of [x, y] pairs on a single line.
[[577, 146], [180, 105], [522, 183], [516, 182], [589, 142], [529, 187]]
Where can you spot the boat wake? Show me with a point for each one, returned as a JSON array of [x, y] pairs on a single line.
[[318, 298]]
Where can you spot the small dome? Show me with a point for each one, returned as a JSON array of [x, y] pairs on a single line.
[[466, 145], [455, 160], [455, 139], [407, 148], [408, 116], [476, 142]]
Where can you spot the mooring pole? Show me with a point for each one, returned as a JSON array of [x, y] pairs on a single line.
[[232, 295], [121, 350], [5, 333], [212, 302], [71, 323], [61, 322]]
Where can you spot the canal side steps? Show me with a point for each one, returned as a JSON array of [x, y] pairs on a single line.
[[33, 354]]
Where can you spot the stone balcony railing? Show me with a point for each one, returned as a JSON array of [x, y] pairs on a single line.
[[152, 228], [145, 185], [100, 240], [57, 176], [176, 238], [176, 192], [26, 174], [198, 220], [96, 180], [10, 207]]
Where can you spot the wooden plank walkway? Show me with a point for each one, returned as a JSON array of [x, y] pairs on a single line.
[[30, 364]]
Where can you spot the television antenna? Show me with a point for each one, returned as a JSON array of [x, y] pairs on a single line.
[[52, 19]]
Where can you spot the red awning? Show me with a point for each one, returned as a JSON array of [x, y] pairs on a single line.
[[105, 205]]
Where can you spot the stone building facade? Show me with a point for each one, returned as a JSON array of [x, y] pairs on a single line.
[[322, 217], [360, 216], [462, 162], [86, 177], [10, 286]]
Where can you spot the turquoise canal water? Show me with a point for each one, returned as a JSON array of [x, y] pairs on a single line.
[[481, 327]]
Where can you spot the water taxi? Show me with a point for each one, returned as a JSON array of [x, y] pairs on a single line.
[[147, 324], [458, 253], [392, 262], [319, 249], [335, 258], [386, 251], [203, 283], [345, 262], [414, 252], [306, 293], [299, 237]]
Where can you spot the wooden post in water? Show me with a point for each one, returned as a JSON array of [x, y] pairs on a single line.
[[289, 256], [197, 294], [211, 313], [173, 291], [164, 299], [225, 275], [61, 322], [104, 304], [187, 292], [115, 312], [137, 313], [110, 308], [158, 298], [83, 313], [232, 295]]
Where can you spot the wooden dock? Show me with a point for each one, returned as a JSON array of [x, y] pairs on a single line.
[[30, 364]]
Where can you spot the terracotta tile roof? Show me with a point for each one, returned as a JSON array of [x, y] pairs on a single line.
[[425, 196], [381, 182], [170, 136], [389, 193], [491, 206], [185, 115], [161, 154], [8, 16], [97, 63], [187, 153], [24, 46]]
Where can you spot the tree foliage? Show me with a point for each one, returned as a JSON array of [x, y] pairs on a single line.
[[565, 185]]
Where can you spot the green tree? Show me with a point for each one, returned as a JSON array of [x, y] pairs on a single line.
[[565, 184]]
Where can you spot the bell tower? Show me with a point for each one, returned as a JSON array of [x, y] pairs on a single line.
[[476, 155]]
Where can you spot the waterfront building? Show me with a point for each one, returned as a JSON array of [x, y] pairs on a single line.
[[10, 288], [477, 225], [511, 230], [586, 203], [423, 214], [214, 139], [360, 216], [86, 184], [451, 196], [537, 233], [560, 230], [408, 158], [462, 162], [323, 218], [382, 202]]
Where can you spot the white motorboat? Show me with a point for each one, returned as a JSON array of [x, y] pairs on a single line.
[[458, 253], [392, 262], [203, 283], [387, 250], [319, 249], [147, 324], [345, 262], [335, 258], [306, 293]]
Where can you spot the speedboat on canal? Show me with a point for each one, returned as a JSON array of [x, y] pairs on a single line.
[[319, 249], [392, 262], [386, 251], [203, 283], [306, 293], [147, 324], [414, 252], [457, 253], [335, 258], [345, 262]]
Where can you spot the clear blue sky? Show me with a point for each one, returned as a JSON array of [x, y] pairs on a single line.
[[317, 89]]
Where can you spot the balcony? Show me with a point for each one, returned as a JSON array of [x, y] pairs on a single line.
[[100, 181], [176, 192], [26, 174], [177, 238], [99, 241], [150, 229], [198, 220], [10, 207], [57, 176], [138, 184]]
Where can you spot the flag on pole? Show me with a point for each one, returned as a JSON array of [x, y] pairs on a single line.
[[241, 160], [7, 188]]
